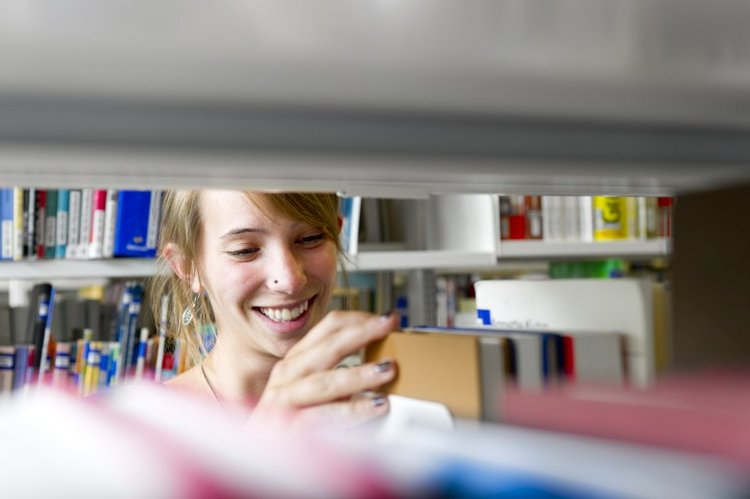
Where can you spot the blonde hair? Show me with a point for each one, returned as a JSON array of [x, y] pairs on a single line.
[[182, 225]]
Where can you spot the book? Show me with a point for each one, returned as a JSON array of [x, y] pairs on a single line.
[[50, 224], [29, 224], [61, 223], [40, 221], [7, 366], [110, 214], [84, 230], [39, 305], [7, 224], [536, 356], [577, 306], [18, 220], [74, 224], [96, 237], [464, 372], [136, 224]]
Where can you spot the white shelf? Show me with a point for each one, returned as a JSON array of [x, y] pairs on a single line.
[[400, 260], [563, 249], [77, 269]]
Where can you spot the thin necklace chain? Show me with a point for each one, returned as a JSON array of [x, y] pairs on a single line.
[[211, 386]]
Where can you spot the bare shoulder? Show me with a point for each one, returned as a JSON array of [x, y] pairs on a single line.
[[191, 380]]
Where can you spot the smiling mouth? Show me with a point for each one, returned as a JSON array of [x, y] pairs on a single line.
[[281, 314]]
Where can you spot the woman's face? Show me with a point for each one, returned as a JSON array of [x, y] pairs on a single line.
[[269, 278]]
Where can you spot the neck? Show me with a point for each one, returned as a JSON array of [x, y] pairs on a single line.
[[238, 376]]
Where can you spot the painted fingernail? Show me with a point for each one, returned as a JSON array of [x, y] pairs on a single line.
[[387, 314], [378, 400], [383, 366]]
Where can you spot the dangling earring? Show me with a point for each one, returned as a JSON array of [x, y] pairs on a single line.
[[188, 314]]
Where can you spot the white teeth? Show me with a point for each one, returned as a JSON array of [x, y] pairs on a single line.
[[284, 314]]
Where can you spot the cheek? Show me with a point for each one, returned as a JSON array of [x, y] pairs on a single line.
[[231, 283], [324, 266]]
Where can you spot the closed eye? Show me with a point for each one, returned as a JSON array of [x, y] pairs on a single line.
[[311, 241], [242, 252]]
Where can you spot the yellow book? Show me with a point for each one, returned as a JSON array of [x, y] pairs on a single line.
[[610, 218]]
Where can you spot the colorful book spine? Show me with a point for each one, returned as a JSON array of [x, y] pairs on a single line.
[[44, 359], [20, 364], [87, 207], [141, 353], [50, 233], [61, 225], [7, 223], [29, 229], [18, 219], [62, 364], [74, 224], [40, 221], [96, 241], [137, 223], [7, 364]]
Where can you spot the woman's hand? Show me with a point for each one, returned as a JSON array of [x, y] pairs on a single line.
[[305, 385]]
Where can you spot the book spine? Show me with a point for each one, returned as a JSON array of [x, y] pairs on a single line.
[[96, 241], [7, 364], [29, 244], [586, 217], [84, 234], [61, 227], [6, 220], [19, 366], [154, 219], [110, 214], [61, 365], [74, 224], [18, 219], [40, 221], [50, 234]]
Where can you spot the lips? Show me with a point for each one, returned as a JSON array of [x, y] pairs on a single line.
[[284, 314]]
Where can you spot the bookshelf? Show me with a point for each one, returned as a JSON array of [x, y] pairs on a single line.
[[520, 250], [639, 108]]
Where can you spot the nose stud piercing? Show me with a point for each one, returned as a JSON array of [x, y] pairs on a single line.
[[275, 281]]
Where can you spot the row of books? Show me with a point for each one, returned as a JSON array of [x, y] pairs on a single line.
[[74, 355], [533, 336], [584, 218], [78, 223]]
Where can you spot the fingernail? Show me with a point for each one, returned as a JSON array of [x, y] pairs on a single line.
[[378, 400], [387, 314], [383, 366]]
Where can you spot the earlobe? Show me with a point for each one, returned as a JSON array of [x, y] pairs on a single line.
[[180, 267], [340, 222]]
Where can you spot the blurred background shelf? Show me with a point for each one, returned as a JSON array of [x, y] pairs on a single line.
[[553, 250], [78, 269]]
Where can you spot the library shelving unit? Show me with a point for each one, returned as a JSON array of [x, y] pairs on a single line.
[[648, 248], [379, 99]]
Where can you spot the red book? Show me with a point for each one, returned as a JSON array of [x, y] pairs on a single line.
[[40, 221], [96, 239]]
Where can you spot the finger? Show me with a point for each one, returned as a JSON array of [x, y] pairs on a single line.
[[324, 355], [332, 385], [332, 322], [345, 414]]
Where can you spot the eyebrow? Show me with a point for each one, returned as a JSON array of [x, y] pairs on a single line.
[[242, 230]]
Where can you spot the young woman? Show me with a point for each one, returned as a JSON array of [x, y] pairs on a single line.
[[262, 268]]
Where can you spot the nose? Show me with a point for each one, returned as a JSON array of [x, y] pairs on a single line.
[[286, 272]]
